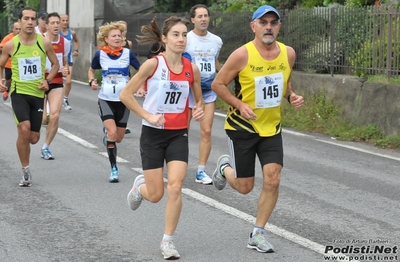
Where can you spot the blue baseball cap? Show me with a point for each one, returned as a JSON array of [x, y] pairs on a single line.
[[262, 10]]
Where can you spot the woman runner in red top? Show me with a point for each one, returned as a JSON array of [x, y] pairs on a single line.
[[165, 113]]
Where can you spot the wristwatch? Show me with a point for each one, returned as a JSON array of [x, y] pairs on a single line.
[[90, 81]]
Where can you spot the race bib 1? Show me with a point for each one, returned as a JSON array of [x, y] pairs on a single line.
[[113, 85]]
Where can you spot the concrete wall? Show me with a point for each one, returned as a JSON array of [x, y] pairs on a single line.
[[81, 20], [85, 17], [362, 102], [59, 6]]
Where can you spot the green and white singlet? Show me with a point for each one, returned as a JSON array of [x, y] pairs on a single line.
[[28, 64]]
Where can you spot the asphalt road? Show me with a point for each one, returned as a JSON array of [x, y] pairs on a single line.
[[334, 196]]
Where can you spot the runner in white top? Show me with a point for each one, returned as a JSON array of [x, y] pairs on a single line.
[[114, 62], [204, 47], [41, 28]]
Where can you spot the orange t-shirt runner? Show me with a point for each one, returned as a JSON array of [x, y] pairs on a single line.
[[5, 40]]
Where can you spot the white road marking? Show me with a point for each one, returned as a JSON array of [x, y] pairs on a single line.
[[119, 159], [359, 149], [320, 249], [295, 133], [271, 228], [246, 217], [138, 170], [69, 135], [230, 210], [329, 142], [75, 138]]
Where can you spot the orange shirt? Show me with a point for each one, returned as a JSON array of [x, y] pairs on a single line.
[[5, 40]]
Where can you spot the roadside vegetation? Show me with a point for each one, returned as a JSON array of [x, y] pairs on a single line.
[[321, 115]]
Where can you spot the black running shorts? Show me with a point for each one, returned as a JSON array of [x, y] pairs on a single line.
[[53, 86], [157, 145], [114, 110], [245, 146], [28, 108]]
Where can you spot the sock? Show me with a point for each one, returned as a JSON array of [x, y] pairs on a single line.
[[65, 98], [201, 168], [112, 152], [138, 189], [255, 228], [25, 167], [222, 169], [45, 146], [167, 238]]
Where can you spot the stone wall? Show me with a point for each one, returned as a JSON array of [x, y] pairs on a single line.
[[362, 102]]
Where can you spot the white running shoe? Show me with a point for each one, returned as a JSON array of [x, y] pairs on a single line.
[[259, 242], [218, 177], [26, 180], [46, 154], [203, 178], [168, 250], [134, 197], [66, 105]]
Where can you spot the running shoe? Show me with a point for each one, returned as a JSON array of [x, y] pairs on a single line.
[[259, 242], [203, 178], [114, 175], [26, 180], [5, 96], [218, 178], [134, 197], [105, 136], [46, 154], [66, 105], [168, 250], [127, 130]]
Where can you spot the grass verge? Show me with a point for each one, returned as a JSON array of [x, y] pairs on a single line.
[[320, 115]]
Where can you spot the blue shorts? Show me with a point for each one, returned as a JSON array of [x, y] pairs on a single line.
[[209, 96]]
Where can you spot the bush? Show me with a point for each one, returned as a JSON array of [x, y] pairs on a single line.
[[221, 24], [365, 59], [350, 30], [305, 29]]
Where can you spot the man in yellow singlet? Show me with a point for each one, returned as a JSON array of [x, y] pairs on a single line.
[[28, 51], [261, 70]]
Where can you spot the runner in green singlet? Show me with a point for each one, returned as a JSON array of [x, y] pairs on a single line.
[[28, 52]]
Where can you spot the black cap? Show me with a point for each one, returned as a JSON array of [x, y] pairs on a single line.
[[42, 14]]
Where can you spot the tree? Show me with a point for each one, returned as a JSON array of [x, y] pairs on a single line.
[[177, 6], [2, 6], [12, 8]]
